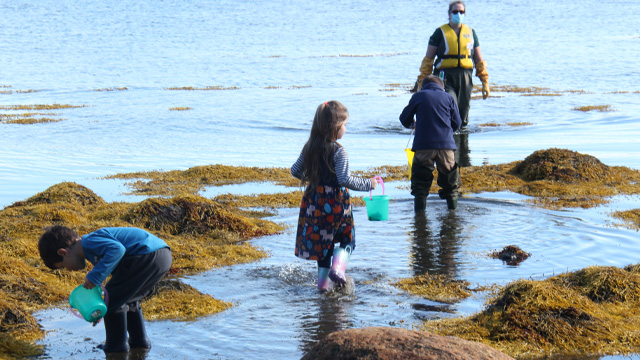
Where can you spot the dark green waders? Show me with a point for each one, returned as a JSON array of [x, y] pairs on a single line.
[[459, 83], [450, 183]]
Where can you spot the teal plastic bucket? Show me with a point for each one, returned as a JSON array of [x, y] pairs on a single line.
[[89, 303], [377, 206]]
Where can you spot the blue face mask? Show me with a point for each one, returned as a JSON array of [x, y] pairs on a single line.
[[457, 18]]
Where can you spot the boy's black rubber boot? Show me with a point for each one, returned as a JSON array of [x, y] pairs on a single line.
[[115, 326], [452, 202], [137, 333], [419, 204]]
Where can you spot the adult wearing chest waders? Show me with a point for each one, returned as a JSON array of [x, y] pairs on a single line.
[[455, 49]]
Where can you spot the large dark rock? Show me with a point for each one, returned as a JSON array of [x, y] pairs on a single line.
[[382, 343]]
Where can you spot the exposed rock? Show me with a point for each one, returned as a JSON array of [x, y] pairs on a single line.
[[383, 343]]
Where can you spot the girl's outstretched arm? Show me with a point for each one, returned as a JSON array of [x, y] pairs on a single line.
[[344, 177]]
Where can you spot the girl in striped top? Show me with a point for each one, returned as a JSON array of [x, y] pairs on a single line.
[[326, 232]]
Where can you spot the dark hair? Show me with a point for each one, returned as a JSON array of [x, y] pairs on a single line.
[[55, 238], [432, 79], [324, 132], [454, 3]]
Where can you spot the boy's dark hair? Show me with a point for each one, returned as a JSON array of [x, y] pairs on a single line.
[[432, 79], [54, 238]]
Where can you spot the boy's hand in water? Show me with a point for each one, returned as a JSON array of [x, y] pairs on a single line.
[[374, 182], [88, 284]]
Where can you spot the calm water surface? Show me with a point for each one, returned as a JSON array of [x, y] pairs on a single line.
[[278, 60]]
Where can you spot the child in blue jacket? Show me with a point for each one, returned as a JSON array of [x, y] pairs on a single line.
[[436, 119], [136, 261]]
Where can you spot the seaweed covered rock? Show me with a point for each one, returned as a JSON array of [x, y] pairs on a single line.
[[65, 192], [383, 343], [561, 165], [590, 311], [193, 214]]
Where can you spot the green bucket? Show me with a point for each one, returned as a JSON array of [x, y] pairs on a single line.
[[377, 206], [88, 302]]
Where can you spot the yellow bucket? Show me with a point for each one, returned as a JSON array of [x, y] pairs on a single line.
[[410, 158]]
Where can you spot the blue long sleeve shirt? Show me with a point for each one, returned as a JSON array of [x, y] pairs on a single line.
[[437, 117], [104, 248]]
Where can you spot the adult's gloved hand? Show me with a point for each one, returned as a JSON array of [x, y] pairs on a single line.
[[483, 75], [485, 90], [426, 68]]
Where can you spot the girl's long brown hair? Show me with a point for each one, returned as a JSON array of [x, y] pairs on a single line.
[[324, 132]]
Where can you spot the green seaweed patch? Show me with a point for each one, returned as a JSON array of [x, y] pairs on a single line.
[[202, 234], [41, 107], [511, 254], [206, 88], [601, 108], [513, 124], [193, 180], [31, 120], [590, 311], [436, 287], [272, 201], [13, 348], [179, 108], [112, 89], [173, 300], [631, 218]]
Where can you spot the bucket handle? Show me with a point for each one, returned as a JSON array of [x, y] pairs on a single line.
[[379, 178], [106, 302], [410, 135]]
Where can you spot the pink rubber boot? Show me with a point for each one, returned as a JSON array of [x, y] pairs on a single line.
[[339, 263]]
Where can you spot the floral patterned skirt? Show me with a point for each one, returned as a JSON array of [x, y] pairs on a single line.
[[325, 218]]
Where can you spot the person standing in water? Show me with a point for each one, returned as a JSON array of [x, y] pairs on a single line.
[[436, 119], [326, 231], [454, 48]]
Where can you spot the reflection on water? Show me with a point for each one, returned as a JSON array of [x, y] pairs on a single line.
[[331, 315], [434, 250]]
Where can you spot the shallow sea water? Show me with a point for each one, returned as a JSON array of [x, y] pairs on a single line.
[[279, 60]]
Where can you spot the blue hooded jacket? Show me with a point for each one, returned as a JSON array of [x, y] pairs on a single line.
[[437, 117], [104, 248]]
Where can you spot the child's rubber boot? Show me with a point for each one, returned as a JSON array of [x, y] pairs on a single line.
[[339, 263], [452, 202], [419, 204], [323, 279], [115, 326], [135, 325]]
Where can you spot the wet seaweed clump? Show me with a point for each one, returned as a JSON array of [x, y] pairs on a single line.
[[436, 287], [601, 108], [631, 218], [590, 311], [561, 165], [511, 254]]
